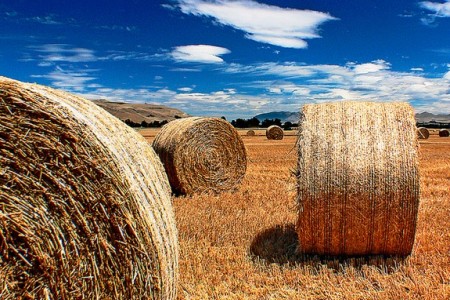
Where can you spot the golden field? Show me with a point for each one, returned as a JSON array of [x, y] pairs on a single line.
[[242, 245]]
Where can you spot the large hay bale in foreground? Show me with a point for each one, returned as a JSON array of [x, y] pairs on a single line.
[[444, 133], [274, 132], [251, 133], [358, 178], [201, 155], [423, 133], [85, 208]]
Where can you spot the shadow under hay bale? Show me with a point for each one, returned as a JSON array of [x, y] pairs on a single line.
[[444, 133], [279, 245], [85, 208], [423, 133], [201, 155], [358, 178], [274, 132]]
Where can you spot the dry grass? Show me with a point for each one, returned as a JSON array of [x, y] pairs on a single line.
[[242, 245]]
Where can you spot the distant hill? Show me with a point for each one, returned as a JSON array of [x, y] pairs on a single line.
[[284, 116], [427, 117], [293, 117], [138, 112]]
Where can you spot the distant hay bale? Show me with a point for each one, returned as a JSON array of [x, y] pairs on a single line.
[[251, 133], [201, 155], [85, 208], [423, 133], [444, 133], [274, 132], [358, 179]]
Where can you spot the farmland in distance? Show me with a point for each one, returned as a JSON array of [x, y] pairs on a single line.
[[242, 245]]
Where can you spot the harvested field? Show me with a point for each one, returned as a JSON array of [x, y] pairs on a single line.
[[242, 245]]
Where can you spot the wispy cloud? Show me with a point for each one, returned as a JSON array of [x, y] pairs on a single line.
[[47, 20], [52, 53], [74, 80], [284, 27], [437, 9], [199, 53]]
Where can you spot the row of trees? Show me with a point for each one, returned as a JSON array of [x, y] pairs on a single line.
[[239, 123], [145, 124], [254, 122]]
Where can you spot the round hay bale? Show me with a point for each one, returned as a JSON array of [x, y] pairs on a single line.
[[444, 133], [274, 132], [423, 133], [358, 179], [251, 133], [85, 208], [201, 155]]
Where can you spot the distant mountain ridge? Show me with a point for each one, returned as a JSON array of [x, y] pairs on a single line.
[[427, 117], [287, 116], [138, 112], [284, 116]]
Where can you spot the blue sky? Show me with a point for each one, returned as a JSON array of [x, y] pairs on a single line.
[[232, 58]]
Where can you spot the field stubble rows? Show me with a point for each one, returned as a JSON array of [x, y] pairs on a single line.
[[242, 245]]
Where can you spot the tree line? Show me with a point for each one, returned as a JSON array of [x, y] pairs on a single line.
[[254, 122], [154, 124]]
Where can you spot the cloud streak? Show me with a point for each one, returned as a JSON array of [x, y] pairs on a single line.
[[262, 23], [199, 53]]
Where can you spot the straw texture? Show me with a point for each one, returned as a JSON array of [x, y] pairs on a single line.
[[251, 133], [358, 179], [201, 155], [85, 208], [274, 132], [423, 133], [444, 133]]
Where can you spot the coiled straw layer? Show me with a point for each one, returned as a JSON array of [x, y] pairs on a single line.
[[358, 178], [85, 209], [201, 155], [274, 132], [423, 133]]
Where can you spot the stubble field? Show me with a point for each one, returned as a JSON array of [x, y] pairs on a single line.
[[242, 245]]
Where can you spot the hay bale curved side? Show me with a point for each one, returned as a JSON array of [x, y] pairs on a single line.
[[444, 133], [423, 133], [358, 178], [201, 155], [84, 202], [274, 132], [251, 133]]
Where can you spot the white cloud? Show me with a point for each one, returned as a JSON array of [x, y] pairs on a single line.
[[417, 69], [185, 89], [447, 76], [284, 27], [371, 67], [199, 53], [439, 9]]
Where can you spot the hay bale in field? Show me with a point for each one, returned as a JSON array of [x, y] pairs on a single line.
[[423, 133], [201, 155], [444, 133], [274, 132], [85, 208], [251, 133], [358, 178]]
